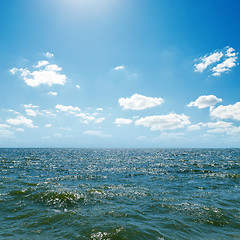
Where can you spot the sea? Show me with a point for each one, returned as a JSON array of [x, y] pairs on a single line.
[[119, 194]]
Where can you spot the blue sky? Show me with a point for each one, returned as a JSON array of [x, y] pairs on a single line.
[[104, 73]]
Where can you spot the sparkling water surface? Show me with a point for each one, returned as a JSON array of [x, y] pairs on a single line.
[[120, 194]]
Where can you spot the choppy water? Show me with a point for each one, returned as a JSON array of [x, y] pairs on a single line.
[[120, 194]]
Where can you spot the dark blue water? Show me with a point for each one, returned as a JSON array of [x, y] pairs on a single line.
[[120, 194]]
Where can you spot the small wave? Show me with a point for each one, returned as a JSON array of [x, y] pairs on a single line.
[[62, 199], [49, 197]]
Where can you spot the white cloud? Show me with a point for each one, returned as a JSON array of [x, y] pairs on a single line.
[[164, 122], [217, 130], [227, 112], [99, 109], [231, 52], [53, 93], [96, 133], [48, 54], [21, 120], [122, 121], [13, 70], [119, 68], [12, 111], [222, 127], [225, 66], [193, 127], [47, 75], [4, 126], [99, 120], [69, 109], [218, 124], [41, 64], [19, 129], [205, 101], [87, 117], [30, 106], [48, 125], [139, 102], [171, 136], [77, 86], [228, 55], [207, 60], [84, 117], [4, 133], [47, 113], [53, 67], [32, 110], [234, 131]]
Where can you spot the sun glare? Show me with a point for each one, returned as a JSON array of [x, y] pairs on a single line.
[[88, 7]]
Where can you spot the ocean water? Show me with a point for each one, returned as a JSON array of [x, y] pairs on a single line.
[[119, 194]]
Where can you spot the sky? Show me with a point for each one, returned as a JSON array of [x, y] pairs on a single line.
[[119, 73]]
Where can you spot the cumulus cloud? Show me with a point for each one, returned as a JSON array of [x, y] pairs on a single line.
[[47, 113], [194, 127], [228, 57], [84, 117], [32, 110], [48, 55], [77, 86], [48, 125], [96, 133], [13, 70], [225, 66], [21, 120], [53, 93], [227, 112], [46, 74], [205, 101], [231, 52], [41, 64], [69, 109], [139, 102], [122, 121], [30, 105], [87, 117], [164, 122], [222, 127], [207, 60], [218, 124]]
